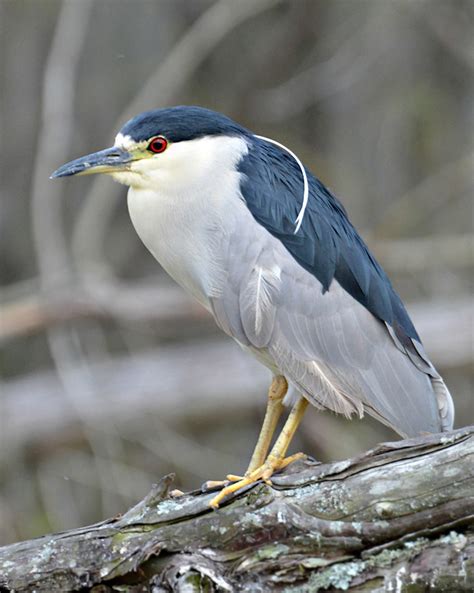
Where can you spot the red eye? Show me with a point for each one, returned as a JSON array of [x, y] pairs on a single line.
[[158, 144]]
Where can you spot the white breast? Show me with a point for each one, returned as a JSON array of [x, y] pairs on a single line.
[[184, 213]]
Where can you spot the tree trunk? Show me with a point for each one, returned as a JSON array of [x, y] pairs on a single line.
[[397, 518]]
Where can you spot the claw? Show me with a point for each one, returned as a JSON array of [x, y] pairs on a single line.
[[176, 493], [213, 484]]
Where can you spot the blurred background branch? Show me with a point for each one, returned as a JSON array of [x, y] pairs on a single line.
[[111, 375]]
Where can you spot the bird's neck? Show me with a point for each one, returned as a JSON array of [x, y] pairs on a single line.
[[183, 223]]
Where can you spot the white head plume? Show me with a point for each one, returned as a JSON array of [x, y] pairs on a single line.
[[299, 218]]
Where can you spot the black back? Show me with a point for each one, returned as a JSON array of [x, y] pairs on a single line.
[[326, 245]]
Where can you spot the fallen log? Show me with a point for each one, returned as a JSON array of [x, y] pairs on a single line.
[[399, 517]]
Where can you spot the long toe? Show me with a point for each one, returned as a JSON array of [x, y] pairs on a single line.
[[231, 489], [215, 484], [264, 472]]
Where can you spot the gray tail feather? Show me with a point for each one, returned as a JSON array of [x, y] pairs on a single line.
[[416, 352], [445, 403], [438, 416], [443, 397]]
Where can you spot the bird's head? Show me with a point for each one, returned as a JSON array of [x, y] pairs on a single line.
[[166, 146]]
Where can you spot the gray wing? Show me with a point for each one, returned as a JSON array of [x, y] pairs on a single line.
[[328, 345]]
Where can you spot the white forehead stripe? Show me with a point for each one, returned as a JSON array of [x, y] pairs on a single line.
[[127, 142], [299, 218]]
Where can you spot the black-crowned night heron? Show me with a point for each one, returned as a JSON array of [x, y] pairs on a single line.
[[238, 222]]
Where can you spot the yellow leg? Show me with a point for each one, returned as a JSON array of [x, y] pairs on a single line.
[[275, 407], [276, 459]]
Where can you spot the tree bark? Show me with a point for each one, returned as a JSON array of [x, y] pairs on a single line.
[[397, 518]]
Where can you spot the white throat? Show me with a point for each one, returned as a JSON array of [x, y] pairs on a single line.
[[183, 203]]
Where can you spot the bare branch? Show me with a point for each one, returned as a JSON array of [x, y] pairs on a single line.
[[346, 67], [54, 137], [126, 304], [126, 388]]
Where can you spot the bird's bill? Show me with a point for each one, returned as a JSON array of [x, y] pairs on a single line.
[[110, 160]]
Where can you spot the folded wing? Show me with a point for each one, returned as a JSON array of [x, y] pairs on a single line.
[[331, 347]]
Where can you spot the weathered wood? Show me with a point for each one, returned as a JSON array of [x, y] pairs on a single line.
[[397, 518]]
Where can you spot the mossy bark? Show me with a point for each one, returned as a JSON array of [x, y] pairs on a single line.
[[397, 518]]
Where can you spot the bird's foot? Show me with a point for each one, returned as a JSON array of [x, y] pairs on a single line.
[[264, 473]]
